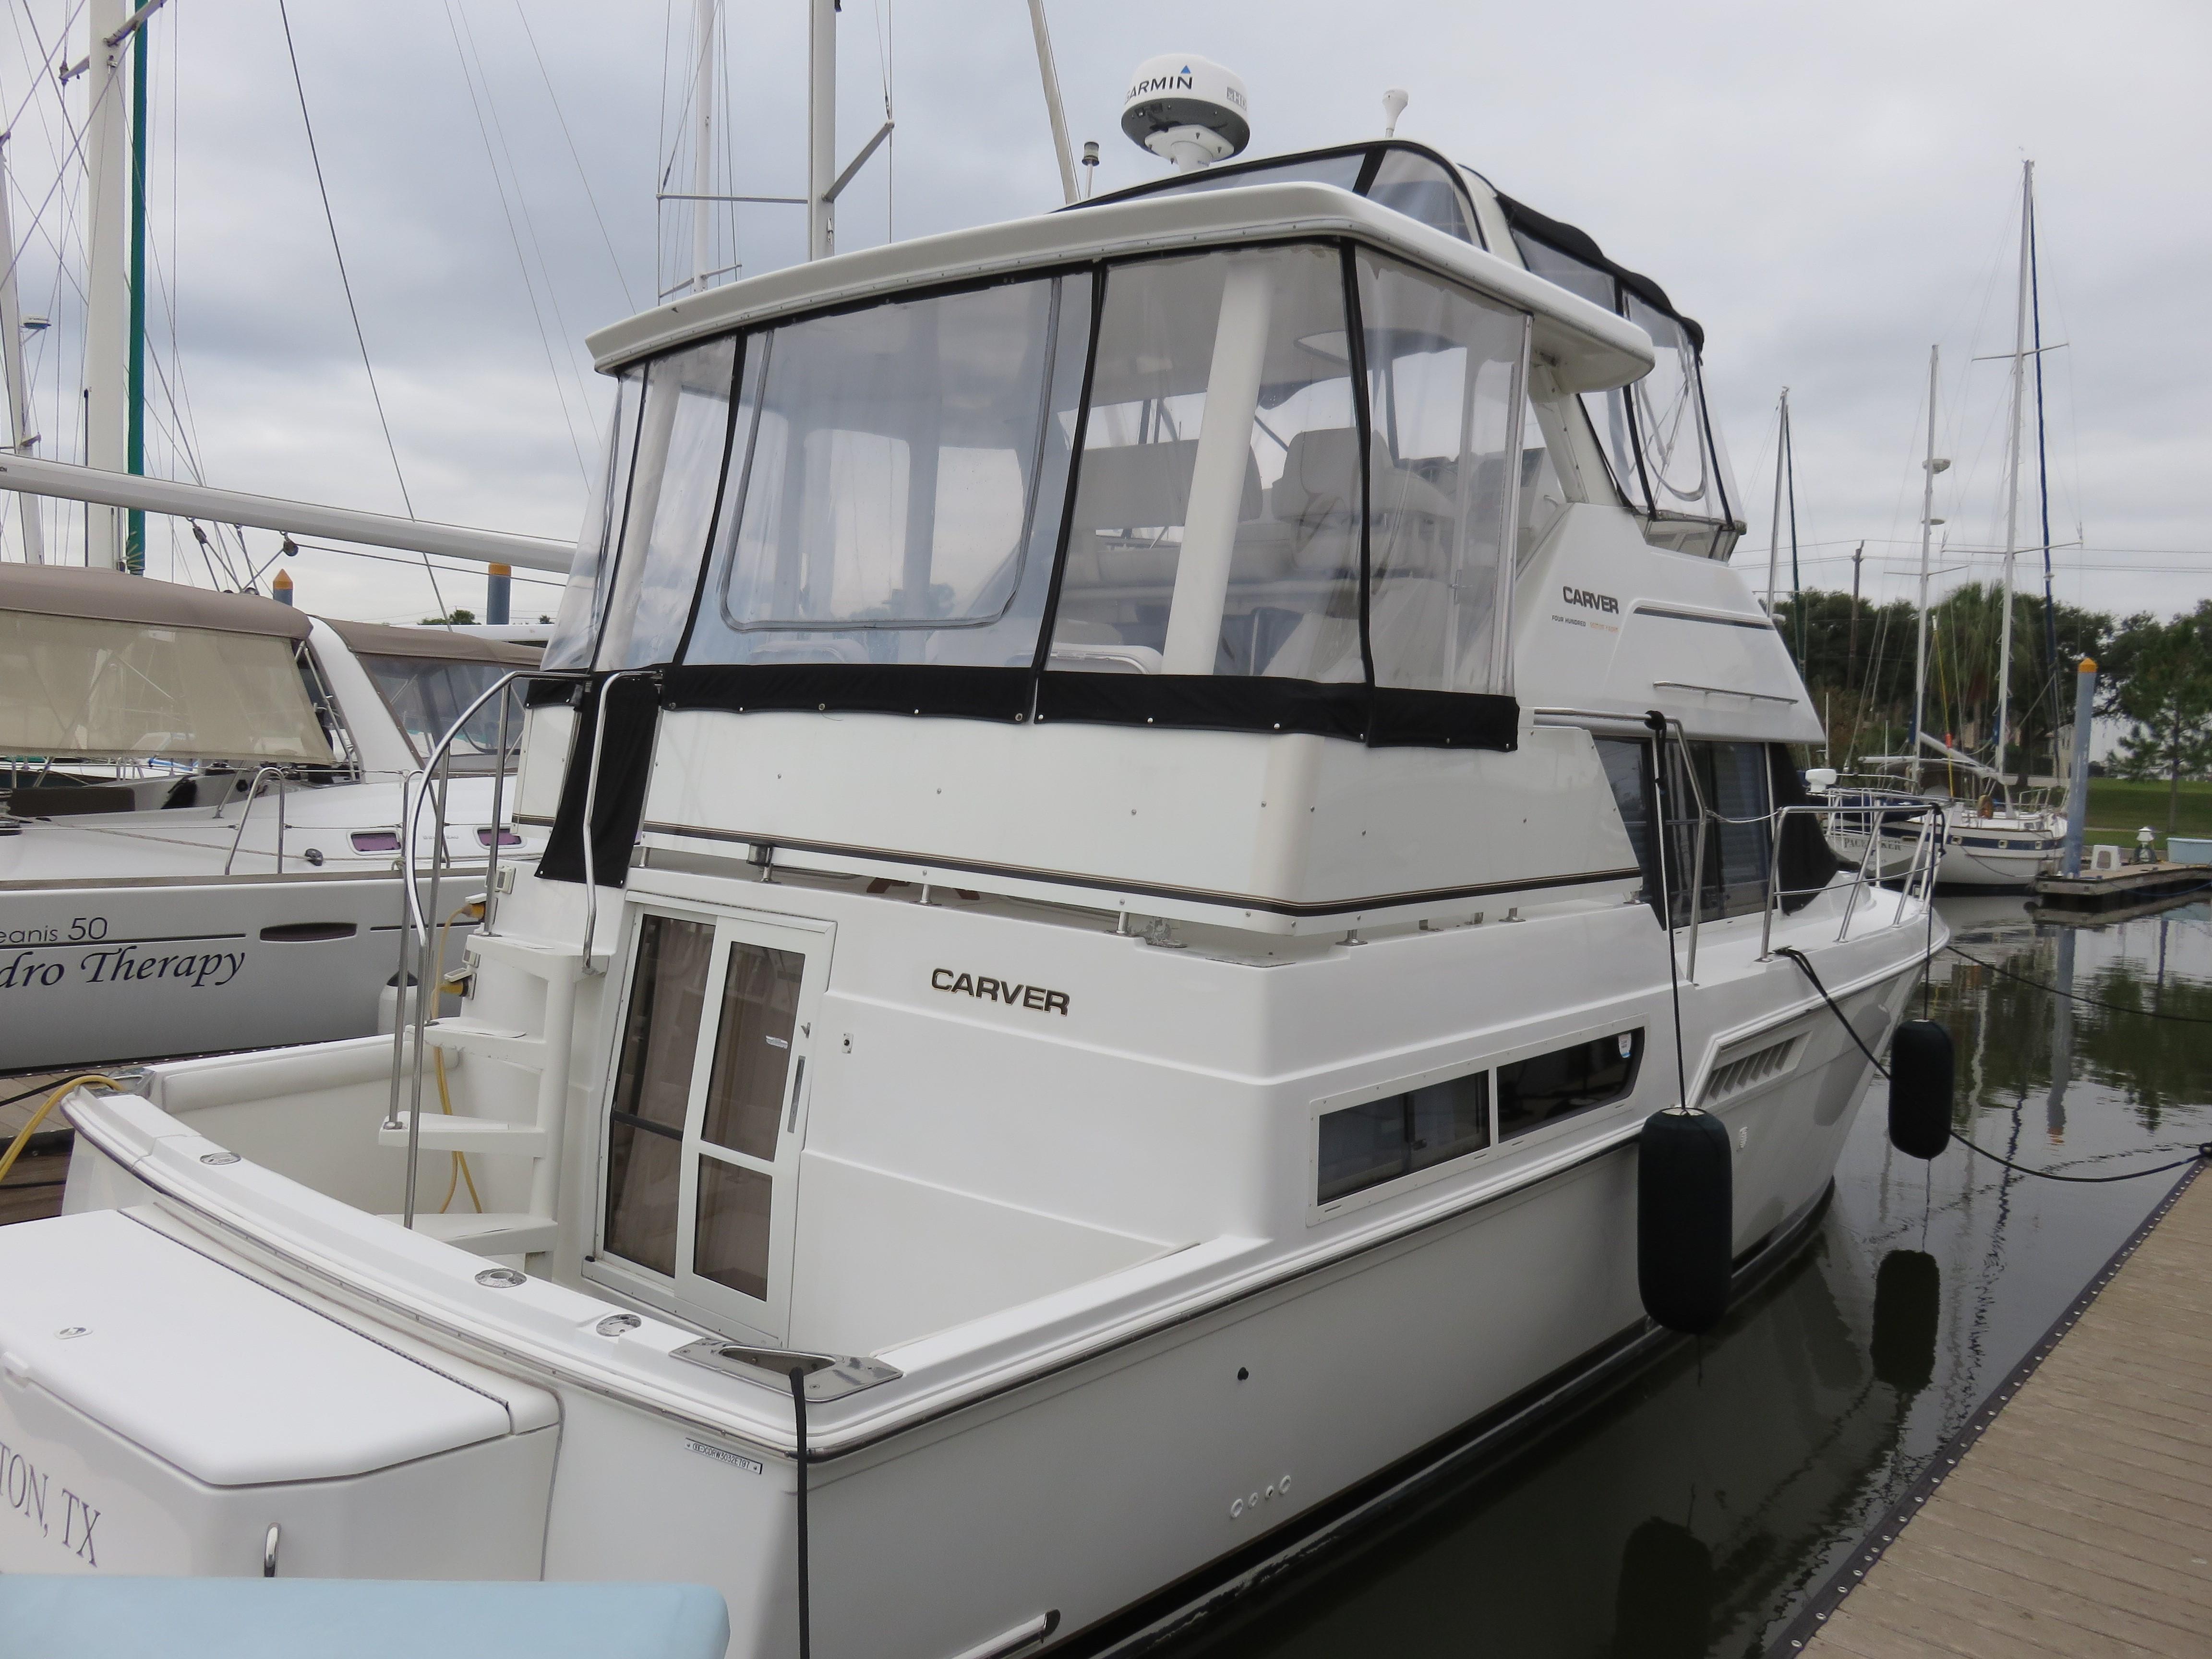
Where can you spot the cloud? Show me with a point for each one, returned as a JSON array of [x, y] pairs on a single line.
[[1829, 189]]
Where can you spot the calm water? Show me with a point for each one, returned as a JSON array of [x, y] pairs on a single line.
[[1695, 1510]]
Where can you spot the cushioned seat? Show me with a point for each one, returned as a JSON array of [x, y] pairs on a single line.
[[95, 1616]]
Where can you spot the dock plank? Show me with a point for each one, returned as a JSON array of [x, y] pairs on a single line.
[[2080, 1524]]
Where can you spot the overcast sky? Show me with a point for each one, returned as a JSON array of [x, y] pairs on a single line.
[[1830, 190]]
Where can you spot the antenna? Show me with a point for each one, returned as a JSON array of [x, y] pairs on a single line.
[[1394, 106], [1188, 110]]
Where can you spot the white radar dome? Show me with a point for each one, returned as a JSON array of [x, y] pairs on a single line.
[[1190, 110]]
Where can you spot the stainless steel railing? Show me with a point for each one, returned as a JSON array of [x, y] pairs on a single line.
[[245, 812], [420, 946]]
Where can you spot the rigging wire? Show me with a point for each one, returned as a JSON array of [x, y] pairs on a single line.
[[346, 282], [507, 211], [583, 177]]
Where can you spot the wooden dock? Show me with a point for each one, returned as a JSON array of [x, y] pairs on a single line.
[[2078, 1519], [2130, 881]]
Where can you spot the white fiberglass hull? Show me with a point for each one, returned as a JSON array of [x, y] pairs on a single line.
[[123, 937], [2001, 853], [1249, 1387]]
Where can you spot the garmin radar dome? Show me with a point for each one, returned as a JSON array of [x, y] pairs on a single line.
[[1188, 110]]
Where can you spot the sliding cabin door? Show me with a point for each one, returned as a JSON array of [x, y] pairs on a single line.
[[705, 1115]]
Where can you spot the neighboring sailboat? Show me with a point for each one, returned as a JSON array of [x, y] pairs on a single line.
[[201, 851], [1993, 838]]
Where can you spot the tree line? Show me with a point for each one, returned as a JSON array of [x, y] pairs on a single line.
[[2153, 673]]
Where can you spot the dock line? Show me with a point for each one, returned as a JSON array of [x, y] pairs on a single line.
[[2203, 1153]]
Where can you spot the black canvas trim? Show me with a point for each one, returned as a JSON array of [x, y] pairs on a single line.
[[1362, 421], [550, 694], [633, 714], [1099, 273], [888, 687], [1578, 244], [1805, 863], [1382, 717], [1399, 718], [1206, 702]]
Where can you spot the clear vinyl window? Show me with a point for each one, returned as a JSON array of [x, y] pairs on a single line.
[[1215, 525], [894, 482], [426, 695], [584, 599], [680, 439], [1657, 434], [1444, 372]]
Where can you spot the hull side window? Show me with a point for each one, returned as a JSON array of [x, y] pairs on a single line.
[[1365, 1146], [1567, 1082]]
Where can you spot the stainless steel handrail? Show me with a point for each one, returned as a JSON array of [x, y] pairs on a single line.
[[1918, 879], [429, 967], [441, 753], [245, 812]]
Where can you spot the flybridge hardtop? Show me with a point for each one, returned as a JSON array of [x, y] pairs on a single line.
[[1595, 350]]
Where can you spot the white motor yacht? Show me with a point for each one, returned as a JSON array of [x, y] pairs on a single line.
[[201, 848], [1150, 800]]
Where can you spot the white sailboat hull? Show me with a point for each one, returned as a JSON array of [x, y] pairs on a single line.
[[124, 937]]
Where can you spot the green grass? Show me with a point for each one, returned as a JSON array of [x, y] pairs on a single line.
[[2119, 806]]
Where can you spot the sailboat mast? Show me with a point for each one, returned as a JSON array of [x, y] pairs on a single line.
[[2011, 465], [134, 538], [107, 299], [1929, 470], [821, 127], [1774, 527], [703, 146], [21, 438], [2042, 488]]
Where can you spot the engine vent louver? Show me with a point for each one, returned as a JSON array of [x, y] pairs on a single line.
[[1733, 1077]]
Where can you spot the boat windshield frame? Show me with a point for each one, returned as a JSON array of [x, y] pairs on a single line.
[[1586, 346]]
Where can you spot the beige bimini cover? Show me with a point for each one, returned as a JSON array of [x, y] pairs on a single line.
[[100, 665]]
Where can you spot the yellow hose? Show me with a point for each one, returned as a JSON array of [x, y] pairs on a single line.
[[438, 1056], [460, 1159], [23, 1135]]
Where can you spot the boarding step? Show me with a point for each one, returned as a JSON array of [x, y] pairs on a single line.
[[491, 1042], [546, 958], [444, 1134], [492, 1232]]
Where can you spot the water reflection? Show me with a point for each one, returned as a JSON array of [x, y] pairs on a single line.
[[1692, 1510]]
